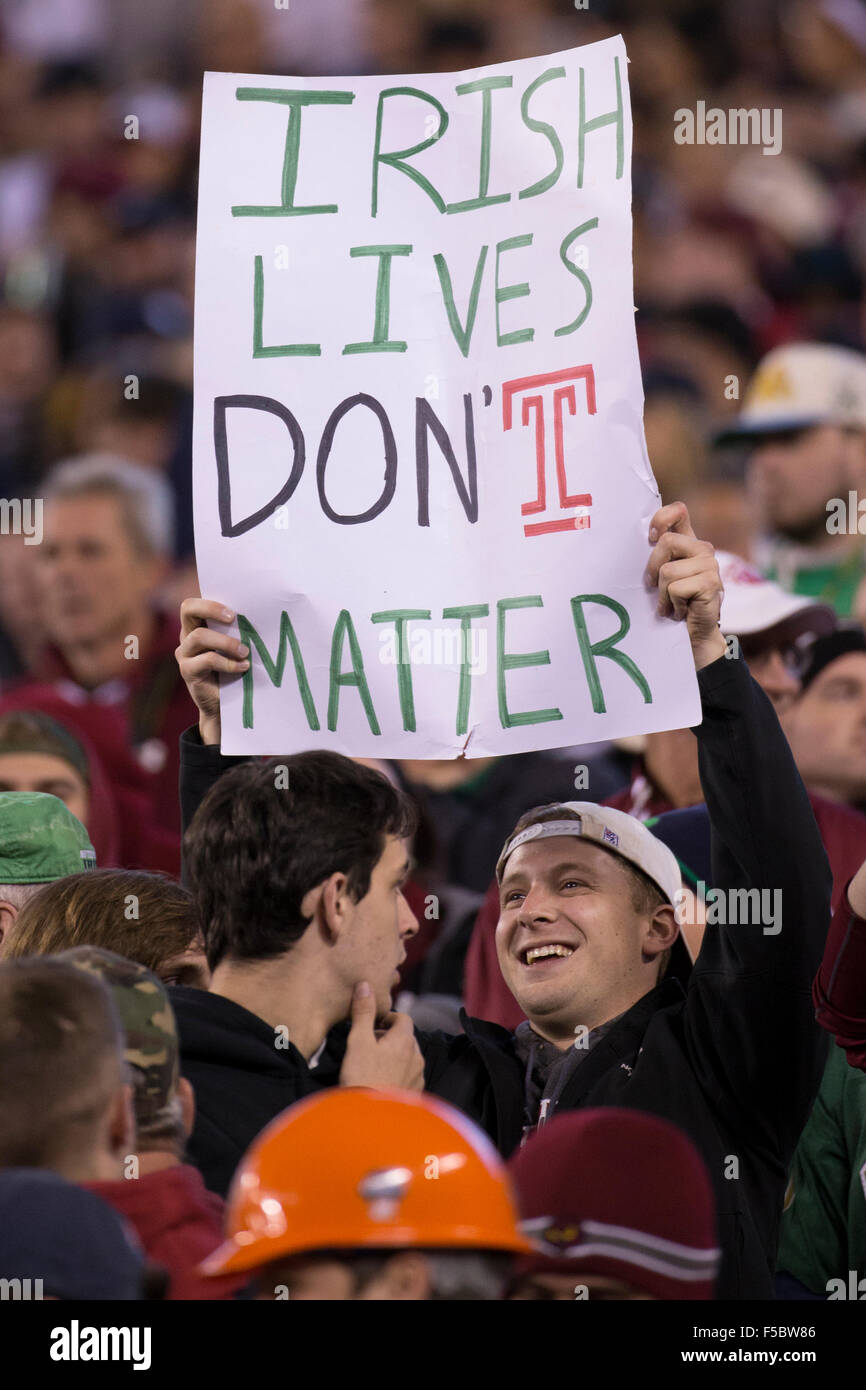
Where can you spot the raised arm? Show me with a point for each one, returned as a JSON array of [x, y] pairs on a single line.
[[202, 654], [750, 1021]]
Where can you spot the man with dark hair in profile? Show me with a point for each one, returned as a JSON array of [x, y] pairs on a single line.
[[297, 869]]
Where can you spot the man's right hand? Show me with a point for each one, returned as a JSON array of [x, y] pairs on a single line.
[[201, 654], [380, 1055]]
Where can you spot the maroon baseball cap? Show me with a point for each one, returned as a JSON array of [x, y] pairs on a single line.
[[620, 1193]]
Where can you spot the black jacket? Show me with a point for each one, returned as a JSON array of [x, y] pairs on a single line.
[[736, 1060], [242, 1077]]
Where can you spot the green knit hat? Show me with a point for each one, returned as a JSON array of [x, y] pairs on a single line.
[[40, 839]]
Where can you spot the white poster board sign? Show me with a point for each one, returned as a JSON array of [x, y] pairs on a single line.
[[420, 473]]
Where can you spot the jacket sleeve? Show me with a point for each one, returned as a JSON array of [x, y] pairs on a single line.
[[201, 765], [839, 991], [749, 1018]]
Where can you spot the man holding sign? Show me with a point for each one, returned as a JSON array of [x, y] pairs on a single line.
[[423, 500], [735, 1062]]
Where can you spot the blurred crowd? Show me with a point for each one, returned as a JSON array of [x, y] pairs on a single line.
[[750, 288]]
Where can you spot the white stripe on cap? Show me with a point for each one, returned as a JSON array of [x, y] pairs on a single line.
[[638, 1248], [542, 829]]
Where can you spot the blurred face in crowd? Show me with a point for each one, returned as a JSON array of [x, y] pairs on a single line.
[[570, 894], [20, 593], [793, 475], [189, 968], [327, 1278], [826, 729], [26, 355], [776, 670], [550, 1287], [45, 772], [372, 941], [95, 580]]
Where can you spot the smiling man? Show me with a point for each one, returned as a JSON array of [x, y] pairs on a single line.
[[587, 920], [610, 938]]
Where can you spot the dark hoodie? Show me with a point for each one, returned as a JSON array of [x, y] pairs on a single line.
[[244, 1073]]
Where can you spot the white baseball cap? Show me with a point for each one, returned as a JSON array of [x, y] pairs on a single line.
[[614, 830], [753, 603], [800, 385]]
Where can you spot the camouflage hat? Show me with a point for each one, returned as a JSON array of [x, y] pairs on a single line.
[[40, 839], [148, 1020]]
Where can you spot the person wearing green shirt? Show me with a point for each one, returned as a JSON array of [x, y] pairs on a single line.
[[804, 420], [823, 1238]]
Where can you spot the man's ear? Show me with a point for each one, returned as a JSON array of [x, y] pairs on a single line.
[[186, 1096], [121, 1122], [329, 906], [8, 913], [661, 932]]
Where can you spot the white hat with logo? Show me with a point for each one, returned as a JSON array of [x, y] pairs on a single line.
[[614, 830], [800, 385]]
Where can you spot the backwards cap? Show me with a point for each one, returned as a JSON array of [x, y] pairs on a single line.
[[613, 830]]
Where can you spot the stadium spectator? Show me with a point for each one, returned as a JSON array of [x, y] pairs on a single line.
[[38, 753], [296, 869], [618, 1205], [419, 1206], [604, 1025], [65, 1102], [770, 627], [773, 631], [107, 538], [826, 727], [164, 1199], [823, 1232], [146, 918], [804, 417], [40, 841]]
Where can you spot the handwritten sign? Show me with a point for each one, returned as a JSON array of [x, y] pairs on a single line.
[[420, 473]]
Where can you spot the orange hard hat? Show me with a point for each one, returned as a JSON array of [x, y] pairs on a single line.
[[351, 1168]]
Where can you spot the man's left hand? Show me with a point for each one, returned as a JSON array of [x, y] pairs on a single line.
[[686, 573]]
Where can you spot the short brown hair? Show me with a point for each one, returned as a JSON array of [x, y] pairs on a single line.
[[61, 1061], [96, 909]]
